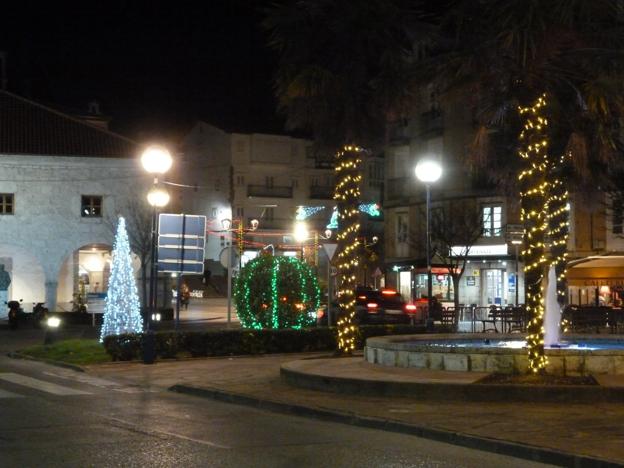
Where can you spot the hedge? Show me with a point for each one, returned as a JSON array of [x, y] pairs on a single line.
[[243, 341]]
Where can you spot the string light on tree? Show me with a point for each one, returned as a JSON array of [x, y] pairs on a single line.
[[544, 212], [122, 310], [276, 292], [347, 195]]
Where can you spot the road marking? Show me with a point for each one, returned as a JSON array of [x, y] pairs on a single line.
[[98, 382], [40, 384], [83, 378], [5, 394], [155, 432]]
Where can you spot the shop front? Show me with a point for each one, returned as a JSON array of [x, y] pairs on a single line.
[[491, 277], [596, 281]]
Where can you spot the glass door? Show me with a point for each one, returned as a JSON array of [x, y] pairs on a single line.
[[492, 291]]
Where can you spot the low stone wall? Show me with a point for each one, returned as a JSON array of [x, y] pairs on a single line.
[[419, 352]]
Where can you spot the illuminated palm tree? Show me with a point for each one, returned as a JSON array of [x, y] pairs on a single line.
[[341, 75], [550, 73]]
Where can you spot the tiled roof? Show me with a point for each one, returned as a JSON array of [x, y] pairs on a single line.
[[30, 128]]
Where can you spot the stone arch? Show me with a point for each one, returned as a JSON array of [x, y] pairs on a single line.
[[85, 270], [27, 276]]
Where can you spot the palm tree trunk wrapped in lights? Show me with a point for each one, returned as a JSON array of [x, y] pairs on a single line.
[[544, 211], [347, 196], [534, 195], [558, 207]]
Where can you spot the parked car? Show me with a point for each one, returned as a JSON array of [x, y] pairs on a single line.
[[373, 306]]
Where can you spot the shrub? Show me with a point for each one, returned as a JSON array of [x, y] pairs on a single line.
[[123, 347], [244, 341]]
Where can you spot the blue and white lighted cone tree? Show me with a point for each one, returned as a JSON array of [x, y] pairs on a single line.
[[122, 312]]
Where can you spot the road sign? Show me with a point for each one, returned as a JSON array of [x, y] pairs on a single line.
[[181, 241], [330, 249], [228, 257]]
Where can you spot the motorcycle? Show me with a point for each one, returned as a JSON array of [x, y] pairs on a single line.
[[40, 313], [15, 310]]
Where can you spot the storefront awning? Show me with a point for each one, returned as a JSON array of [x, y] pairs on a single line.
[[605, 270]]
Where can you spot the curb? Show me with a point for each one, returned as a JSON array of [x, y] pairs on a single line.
[[16, 355], [453, 391], [501, 447]]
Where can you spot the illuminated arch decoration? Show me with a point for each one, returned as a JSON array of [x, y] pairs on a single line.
[[371, 209], [304, 212], [276, 292]]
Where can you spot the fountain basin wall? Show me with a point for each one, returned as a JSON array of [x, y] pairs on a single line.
[[429, 352]]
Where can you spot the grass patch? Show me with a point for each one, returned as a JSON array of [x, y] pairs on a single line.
[[79, 351]]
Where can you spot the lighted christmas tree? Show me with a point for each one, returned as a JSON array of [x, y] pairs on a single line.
[[122, 311]]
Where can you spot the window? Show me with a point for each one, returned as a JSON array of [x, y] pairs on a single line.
[[240, 212], [492, 217], [240, 180], [618, 215], [269, 214], [214, 212], [268, 182], [295, 183], [402, 228], [91, 206], [222, 239], [6, 203]]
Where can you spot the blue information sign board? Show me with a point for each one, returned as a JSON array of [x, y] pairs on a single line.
[[181, 241]]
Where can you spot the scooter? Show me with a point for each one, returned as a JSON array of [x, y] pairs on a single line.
[[15, 309], [40, 313]]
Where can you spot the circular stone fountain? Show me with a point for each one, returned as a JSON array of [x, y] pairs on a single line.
[[577, 355]]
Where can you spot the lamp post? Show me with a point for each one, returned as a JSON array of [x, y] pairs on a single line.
[[240, 230], [428, 171], [301, 234], [156, 160]]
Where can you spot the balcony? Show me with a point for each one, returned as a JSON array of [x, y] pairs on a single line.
[[399, 132], [321, 192], [431, 123], [399, 187], [269, 192], [276, 224]]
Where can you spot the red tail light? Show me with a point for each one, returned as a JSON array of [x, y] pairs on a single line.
[[410, 308], [372, 305], [361, 297], [388, 292]]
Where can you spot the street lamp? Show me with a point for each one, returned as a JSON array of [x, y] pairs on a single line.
[[428, 171], [156, 160], [301, 234]]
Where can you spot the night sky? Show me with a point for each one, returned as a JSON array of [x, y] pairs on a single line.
[[154, 67]]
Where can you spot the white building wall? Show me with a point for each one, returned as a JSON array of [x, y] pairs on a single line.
[[47, 227]]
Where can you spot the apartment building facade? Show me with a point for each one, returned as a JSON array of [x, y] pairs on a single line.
[[493, 273]]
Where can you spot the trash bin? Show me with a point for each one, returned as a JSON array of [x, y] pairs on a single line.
[[149, 347]]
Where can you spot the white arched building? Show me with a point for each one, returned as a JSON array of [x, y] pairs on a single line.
[[62, 183]]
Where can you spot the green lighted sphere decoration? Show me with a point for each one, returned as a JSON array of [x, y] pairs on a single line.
[[276, 292]]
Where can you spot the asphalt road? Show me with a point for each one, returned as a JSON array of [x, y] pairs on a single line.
[[51, 416]]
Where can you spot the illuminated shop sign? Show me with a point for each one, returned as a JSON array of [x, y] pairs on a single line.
[[480, 250]]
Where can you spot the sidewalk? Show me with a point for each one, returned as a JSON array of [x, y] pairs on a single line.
[[544, 431]]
